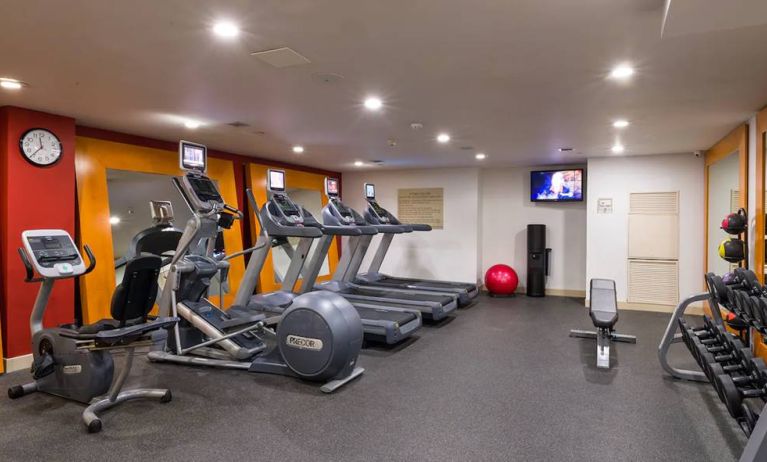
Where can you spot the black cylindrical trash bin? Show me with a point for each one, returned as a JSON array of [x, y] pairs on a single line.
[[537, 260]]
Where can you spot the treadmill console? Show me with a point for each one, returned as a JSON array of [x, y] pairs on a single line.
[[52, 253], [380, 213], [344, 212], [286, 209]]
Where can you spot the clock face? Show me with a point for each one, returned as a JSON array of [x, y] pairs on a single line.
[[40, 147]]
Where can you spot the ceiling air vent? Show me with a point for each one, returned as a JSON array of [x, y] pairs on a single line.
[[238, 124], [281, 57], [377, 161]]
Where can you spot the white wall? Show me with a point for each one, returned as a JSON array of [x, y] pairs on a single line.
[[506, 212], [451, 253], [607, 235]]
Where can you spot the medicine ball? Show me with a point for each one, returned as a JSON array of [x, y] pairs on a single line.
[[735, 223], [732, 250]]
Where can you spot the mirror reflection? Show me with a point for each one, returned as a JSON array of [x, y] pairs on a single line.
[[723, 199], [130, 197]]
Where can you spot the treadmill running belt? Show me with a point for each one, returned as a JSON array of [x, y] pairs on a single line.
[[404, 281], [443, 299], [400, 317]]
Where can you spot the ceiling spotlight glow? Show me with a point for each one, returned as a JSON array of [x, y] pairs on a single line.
[[443, 138], [480, 156], [298, 149], [11, 84], [565, 149], [622, 72], [114, 220], [621, 123], [358, 163], [192, 124], [226, 29], [373, 103], [618, 148]]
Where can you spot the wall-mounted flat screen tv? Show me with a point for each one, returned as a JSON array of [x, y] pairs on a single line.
[[556, 185]]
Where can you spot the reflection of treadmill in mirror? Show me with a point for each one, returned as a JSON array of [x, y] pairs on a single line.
[[377, 215], [433, 306], [281, 218]]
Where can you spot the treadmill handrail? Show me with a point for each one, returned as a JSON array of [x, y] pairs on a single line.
[[391, 229]]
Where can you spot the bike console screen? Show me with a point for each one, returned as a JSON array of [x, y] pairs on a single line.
[[205, 189]]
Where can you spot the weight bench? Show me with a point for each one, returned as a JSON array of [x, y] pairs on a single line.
[[604, 314]]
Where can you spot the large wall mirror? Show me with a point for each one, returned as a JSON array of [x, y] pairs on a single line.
[[115, 183], [760, 227], [726, 191]]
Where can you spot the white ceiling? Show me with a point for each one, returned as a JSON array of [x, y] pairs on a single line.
[[514, 79]]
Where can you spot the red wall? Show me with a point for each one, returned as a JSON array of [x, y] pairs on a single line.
[[32, 197]]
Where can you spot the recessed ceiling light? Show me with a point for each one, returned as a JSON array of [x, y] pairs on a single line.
[[443, 138], [192, 124], [358, 163], [11, 84], [480, 156], [565, 149], [114, 220], [226, 29], [298, 149], [618, 148], [622, 72], [373, 103], [621, 123]]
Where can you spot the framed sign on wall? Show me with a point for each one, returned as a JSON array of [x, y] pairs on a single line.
[[421, 205]]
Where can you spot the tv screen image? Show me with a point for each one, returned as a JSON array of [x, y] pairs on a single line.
[[556, 185]]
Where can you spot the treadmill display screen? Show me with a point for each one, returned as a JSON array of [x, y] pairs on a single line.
[[285, 204], [370, 191], [205, 189], [276, 180], [331, 187]]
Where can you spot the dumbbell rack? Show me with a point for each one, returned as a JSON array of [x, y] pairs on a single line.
[[755, 316]]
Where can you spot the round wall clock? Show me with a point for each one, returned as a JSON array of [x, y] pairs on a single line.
[[40, 147]]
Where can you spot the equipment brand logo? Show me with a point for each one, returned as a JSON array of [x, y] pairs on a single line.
[[304, 343], [73, 369]]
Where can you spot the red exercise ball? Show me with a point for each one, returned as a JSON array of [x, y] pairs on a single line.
[[501, 280]]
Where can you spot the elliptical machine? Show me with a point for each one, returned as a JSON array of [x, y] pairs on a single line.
[[75, 362], [317, 338]]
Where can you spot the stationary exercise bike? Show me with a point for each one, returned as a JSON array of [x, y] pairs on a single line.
[[75, 362]]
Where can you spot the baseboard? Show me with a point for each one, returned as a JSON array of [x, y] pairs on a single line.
[[694, 309], [552, 292], [18, 363]]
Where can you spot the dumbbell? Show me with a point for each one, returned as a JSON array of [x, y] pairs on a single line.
[[734, 396], [734, 353], [753, 371]]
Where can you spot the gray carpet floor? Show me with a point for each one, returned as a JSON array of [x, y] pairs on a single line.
[[500, 382]]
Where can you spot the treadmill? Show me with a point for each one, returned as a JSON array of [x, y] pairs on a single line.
[[433, 306], [279, 219], [377, 215]]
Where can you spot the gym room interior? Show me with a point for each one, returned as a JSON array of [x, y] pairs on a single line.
[[358, 230]]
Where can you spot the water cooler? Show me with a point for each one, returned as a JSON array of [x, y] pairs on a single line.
[[537, 260]]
